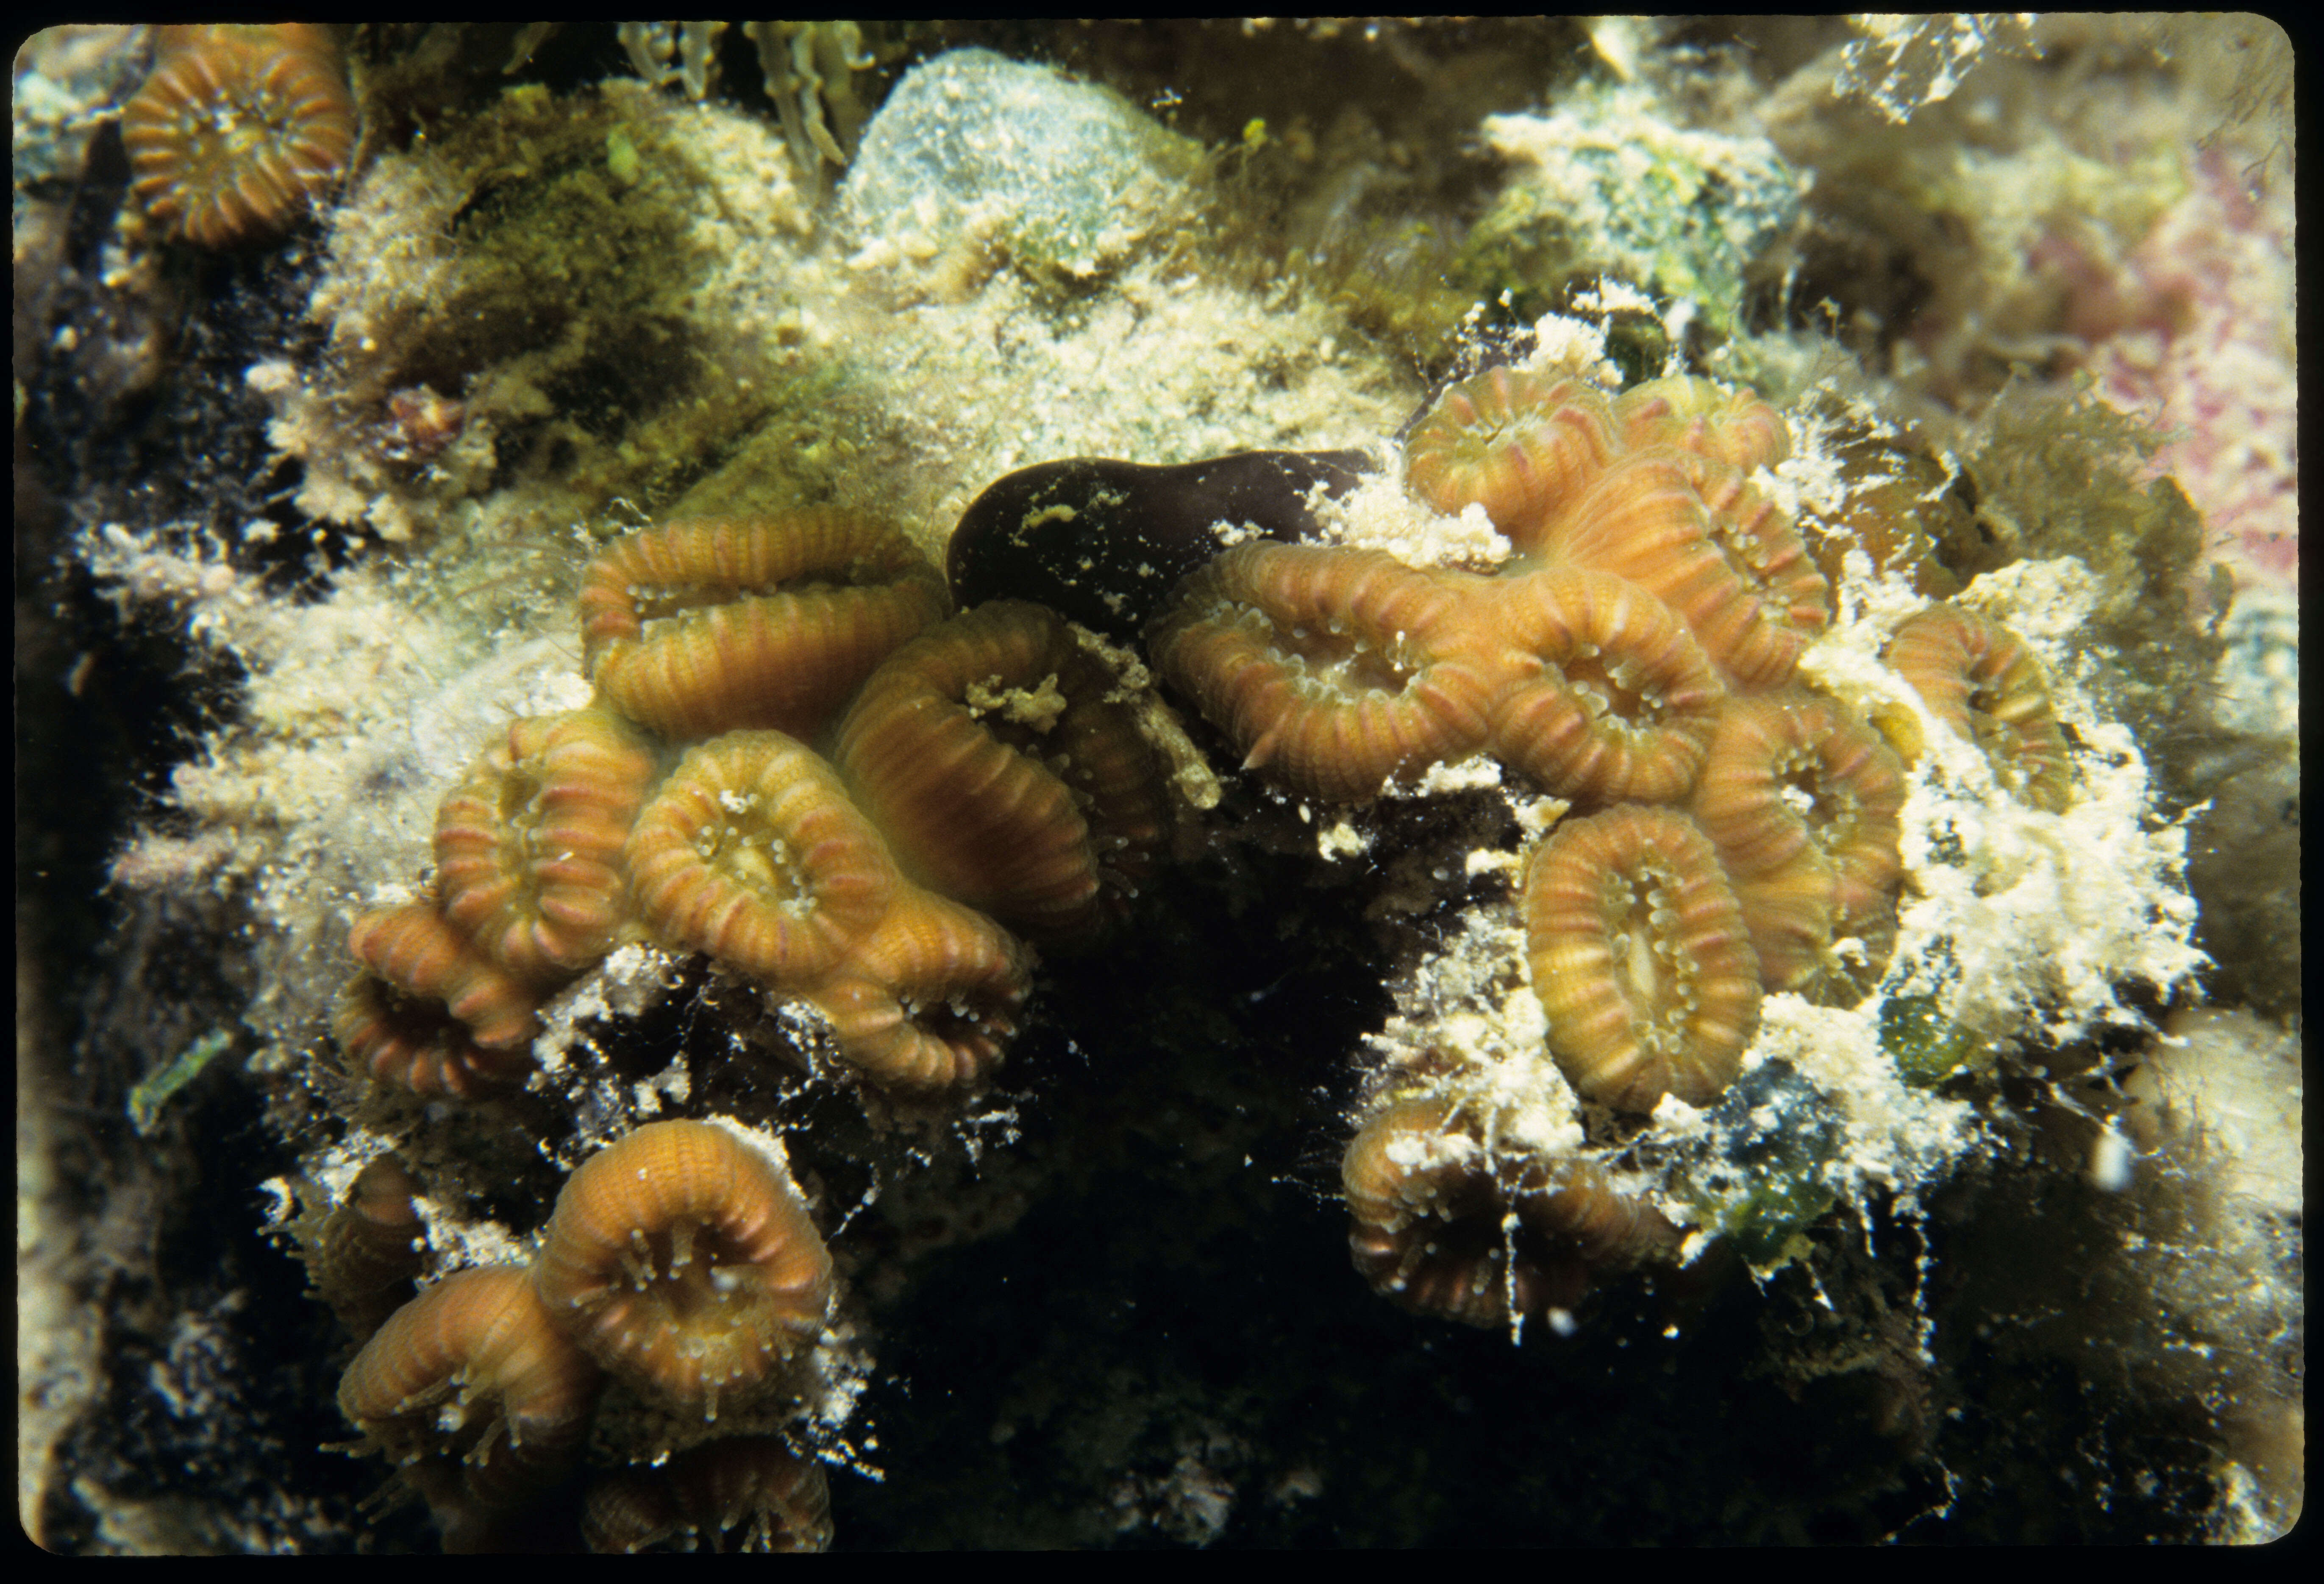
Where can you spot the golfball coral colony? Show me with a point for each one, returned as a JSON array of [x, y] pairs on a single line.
[[990, 767], [1701, 806], [1713, 829], [1724, 829]]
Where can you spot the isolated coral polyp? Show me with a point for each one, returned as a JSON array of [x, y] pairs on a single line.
[[682, 1259], [1745, 588], [473, 1384], [752, 1489], [929, 1001], [433, 1015], [370, 1247], [1515, 443], [1608, 697], [527, 848], [1733, 426], [238, 131], [1440, 1227], [1978, 677], [1801, 802], [1641, 958]]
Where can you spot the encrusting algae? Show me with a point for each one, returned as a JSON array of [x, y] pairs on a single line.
[[747, 1022]]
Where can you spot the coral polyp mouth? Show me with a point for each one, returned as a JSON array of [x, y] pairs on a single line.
[[1332, 670]]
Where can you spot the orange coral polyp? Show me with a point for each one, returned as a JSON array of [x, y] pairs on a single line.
[[1734, 426], [989, 755], [929, 1002], [1803, 800], [1608, 699], [1431, 1223], [1332, 670], [698, 628], [752, 852], [238, 132], [682, 1259], [527, 848], [474, 1369], [1424, 1219], [1980, 680], [1646, 520], [434, 1015], [370, 1247], [411, 1043], [1641, 958], [777, 1500], [1518, 443]]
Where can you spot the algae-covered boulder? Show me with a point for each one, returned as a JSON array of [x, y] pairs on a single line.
[[1062, 178]]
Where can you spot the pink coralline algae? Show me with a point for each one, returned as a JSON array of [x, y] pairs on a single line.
[[2196, 336]]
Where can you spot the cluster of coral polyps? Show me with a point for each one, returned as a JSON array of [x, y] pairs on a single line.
[[989, 774], [985, 773], [1728, 831], [679, 1262]]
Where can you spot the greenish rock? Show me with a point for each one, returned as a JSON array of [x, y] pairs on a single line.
[[1760, 1181], [1062, 178], [1606, 185], [1927, 1047]]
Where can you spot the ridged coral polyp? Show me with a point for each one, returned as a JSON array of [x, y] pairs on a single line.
[[753, 1488], [527, 848], [990, 752], [1517, 444], [1641, 958], [474, 1370], [1608, 697], [369, 1248], [1979, 678], [1431, 1220], [682, 1260], [703, 627], [434, 1015], [930, 1001], [1801, 800], [1733, 426], [752, 853], [1332, 670], [1742, 588], [238, 131]]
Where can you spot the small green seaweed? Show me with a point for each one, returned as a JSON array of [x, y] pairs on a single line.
[[146, 1100]]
